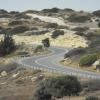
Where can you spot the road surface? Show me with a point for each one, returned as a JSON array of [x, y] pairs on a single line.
[[51, 63]]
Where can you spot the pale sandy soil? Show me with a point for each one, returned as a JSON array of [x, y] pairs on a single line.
[[59, 21], [68, 40]]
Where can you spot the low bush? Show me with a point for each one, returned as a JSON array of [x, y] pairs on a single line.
[[52, 25], [80, 29], [88, 60], [74, 52], [57, 87], [78, 18], [7, 45], [53, 10], [19, 29], [16, 22], [39, 48], [21, 16], [57, 33], [92, 98], [97, 13], [46, 42], [79, 33]]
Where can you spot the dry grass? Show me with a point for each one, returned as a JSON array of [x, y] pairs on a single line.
[[67, 40]]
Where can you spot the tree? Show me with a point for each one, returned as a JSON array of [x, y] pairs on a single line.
[[41, 93], [46, 42], [61, 86], [7, 45]]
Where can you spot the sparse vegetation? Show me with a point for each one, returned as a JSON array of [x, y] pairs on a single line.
[[97, 13], [80, 29], [88, 60], [19, 29], [7, 45], [73, 52], [53, 10], [39, 48], [57, 33], [46, 42], [52, 25], [58, 87], [16, 22], [78, 18]]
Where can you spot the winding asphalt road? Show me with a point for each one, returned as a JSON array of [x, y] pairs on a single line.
[[51, 63]]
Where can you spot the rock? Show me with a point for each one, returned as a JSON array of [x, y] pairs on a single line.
[[33, 79], [96, 63], [3, 83], [4, 73], [15, 75]]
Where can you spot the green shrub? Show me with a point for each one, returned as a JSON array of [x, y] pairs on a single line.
[[53, 10], [52, 25], [57, 87], [19, 29], [80, 29], [78, 18], [16, 22], [7, 45], [74, 52], [92, 98], [46, 42], [97, 13], [56, 33], [39, 48], [88, 60]]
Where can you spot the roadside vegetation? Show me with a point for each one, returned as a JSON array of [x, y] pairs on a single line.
[[85, 58], [57, 87]]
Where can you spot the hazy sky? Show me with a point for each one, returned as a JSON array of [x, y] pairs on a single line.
[[21, 5]]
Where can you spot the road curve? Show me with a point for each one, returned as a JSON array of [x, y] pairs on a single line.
[[51, 63]]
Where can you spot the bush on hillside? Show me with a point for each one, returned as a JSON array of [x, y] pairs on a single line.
[[52, 25], [14, 12], [74, 52], [7, 45], [21, 16], [16, 22], [39, 48], [57, 33], [19, 29], [5, 16], [97, 13], [57, 87], [78, 18], [53, 10], [79, 33], [80, 29], [88, 60], [46, 42], [2, 11]]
